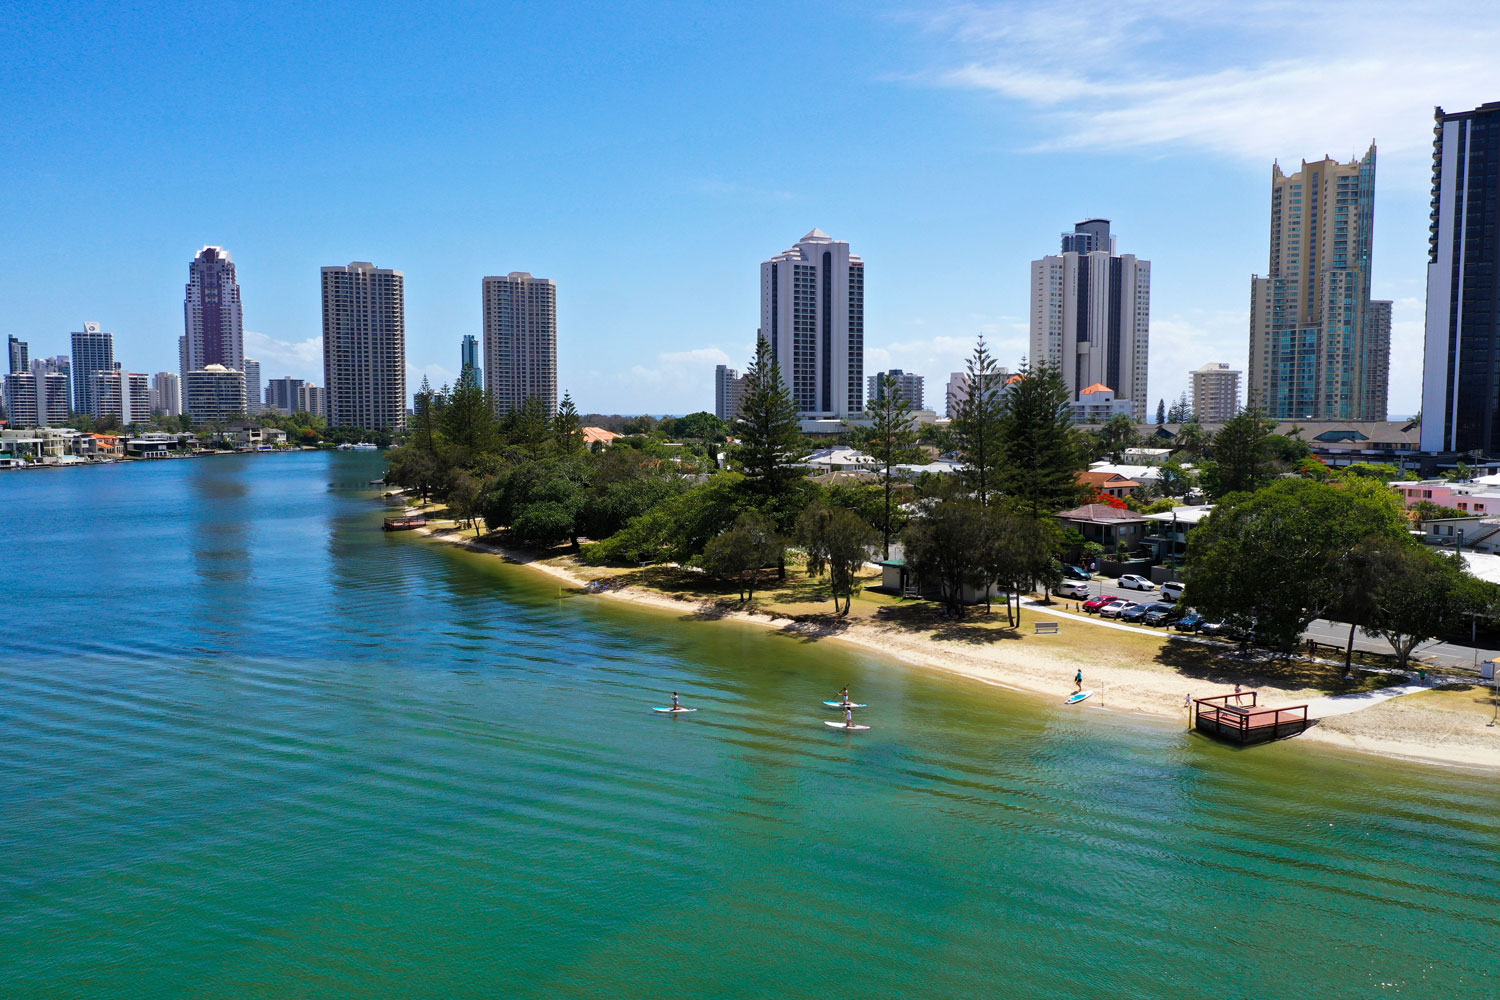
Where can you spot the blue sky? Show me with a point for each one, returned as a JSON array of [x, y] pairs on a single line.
[[648, 156]]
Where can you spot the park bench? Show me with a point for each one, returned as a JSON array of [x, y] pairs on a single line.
[[1044, 628]]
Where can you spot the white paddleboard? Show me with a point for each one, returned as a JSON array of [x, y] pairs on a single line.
[[1074, 699], [840, 725], [672, 711], [844, 704]]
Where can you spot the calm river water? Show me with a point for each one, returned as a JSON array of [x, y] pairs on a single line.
[[253, 747]]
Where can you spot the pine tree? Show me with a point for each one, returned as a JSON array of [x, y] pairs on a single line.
[[1161, 412], [891, 439], [567, 428], [530, 426], [977, 427], [468, 421], [1043, 454], [425, 417], [771, 446]]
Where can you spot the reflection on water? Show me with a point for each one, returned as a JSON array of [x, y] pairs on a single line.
[[278, 752]]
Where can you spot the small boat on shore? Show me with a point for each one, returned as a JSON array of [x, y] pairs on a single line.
[[404, 522]]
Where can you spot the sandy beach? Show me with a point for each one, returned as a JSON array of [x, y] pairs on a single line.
[[1123, 666]]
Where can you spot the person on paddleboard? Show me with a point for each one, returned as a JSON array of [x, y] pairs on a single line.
[[844, 696], [675, 705], [1078, 681], [848, 714]]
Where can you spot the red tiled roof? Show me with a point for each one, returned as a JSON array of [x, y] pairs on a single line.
[[1097, 387], [1112, 479], [1100, 512]]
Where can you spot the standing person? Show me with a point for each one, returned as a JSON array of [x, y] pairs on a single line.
[[844, 695], [1237, 694], [848, 718], [1078, 681], [676, 707]]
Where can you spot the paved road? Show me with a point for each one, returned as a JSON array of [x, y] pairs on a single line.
[[1439, 655]]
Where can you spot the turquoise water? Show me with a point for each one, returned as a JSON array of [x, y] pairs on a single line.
[[251, 746]]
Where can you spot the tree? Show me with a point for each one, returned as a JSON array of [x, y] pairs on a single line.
[[837, 541], [424, 417], [678, 528], [1161, 412], [946, 547], [1181, 411], [977, 427], [463, 499], [1175, 480], [530, 427], [891, 439], [1192, 439], [1039, 475], [740, 553], [1117, 434], [567, 428], [1271, 561], [703, 425], [1415, 596], [771, 446], [414, 468], [1241, 456], [466, 418]]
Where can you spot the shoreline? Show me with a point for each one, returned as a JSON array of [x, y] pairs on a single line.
[[1122, 689]]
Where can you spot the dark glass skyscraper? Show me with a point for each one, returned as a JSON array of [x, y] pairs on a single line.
[[1461, 366]]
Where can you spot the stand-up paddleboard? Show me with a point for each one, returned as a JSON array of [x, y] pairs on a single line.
[[672, 711], [1074, 699], [844, 726], [844, 704]]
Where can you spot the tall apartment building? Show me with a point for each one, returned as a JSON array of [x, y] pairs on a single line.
[[166, 393], [93, 352], [520, 340], [468, 357], [1216, 392], [364, 346], [1461, 346], [218, 392], [36, 398], [958, 389], [908, 385], [126, 396], [20, 354], [1091, 315], [1377, 359], [252, 386], [812, 312], [213, 320], [314, 400], [729, 389], [286, 395], [1308, 314]]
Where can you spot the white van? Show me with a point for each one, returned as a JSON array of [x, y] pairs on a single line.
[[1172, 591]]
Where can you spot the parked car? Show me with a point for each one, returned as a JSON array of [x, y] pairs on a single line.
[[1188, 621], [1159, 614], [1132, 582], [1095, 603], [1075, 573], [1136, 613], [1215, 628], [1115, 608], [1073, 588], [1172, 590]]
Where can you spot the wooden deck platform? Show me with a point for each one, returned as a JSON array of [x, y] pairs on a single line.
[[404, 522], [1238, 718]]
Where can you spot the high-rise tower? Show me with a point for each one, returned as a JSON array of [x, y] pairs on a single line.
[[20, 355], [213, 320], [1309, 354], [93, 354], [364, 346], [468, 357], [1461, 349], [520, 341], [1091, 315], [812, 312]]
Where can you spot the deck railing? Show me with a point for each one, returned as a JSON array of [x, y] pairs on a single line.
[[1227, 716]]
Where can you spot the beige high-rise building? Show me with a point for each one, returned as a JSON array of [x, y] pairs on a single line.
[[219, 392], [166, 393], [520, 341], [1216, 392], [364, 346], [1377, 359], [1309, 342]]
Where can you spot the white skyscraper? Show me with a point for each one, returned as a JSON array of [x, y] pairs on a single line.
[[93, 352], [126, 396], [166, 393], [520, 341], [252, 386], [213, 321], [36, 398], [908, 385], [364, 346], [729, 388], [220, 392], [1216, 392], [1090, 315], [812, 312]]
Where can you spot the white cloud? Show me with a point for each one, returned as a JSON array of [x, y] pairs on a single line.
[[437, 376], [1253, 80], [300, 359]]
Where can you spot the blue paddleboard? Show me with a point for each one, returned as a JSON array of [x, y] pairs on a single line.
[[1074, 699]]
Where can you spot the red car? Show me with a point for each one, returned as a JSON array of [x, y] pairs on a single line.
[[1093, 604]]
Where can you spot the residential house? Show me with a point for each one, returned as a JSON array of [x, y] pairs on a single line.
[[1111, 484], [1111, 527], [1169, 530]]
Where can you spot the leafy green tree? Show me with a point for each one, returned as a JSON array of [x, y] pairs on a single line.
[[567, 428], [1116, 434], [740, 553], [978, 427], [414, 468], [1241, 456], [946, 547], [1175, 481], [678, 528], [463, 499], [466, 418], [530, 427], [534, 499], [771, 447], [1042, 458], [837, 542], [425, 418], [891, 440], [1415, 595], [1271, 561], [702, 425], [1161, 412], [643, 424], [1192, 439]]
